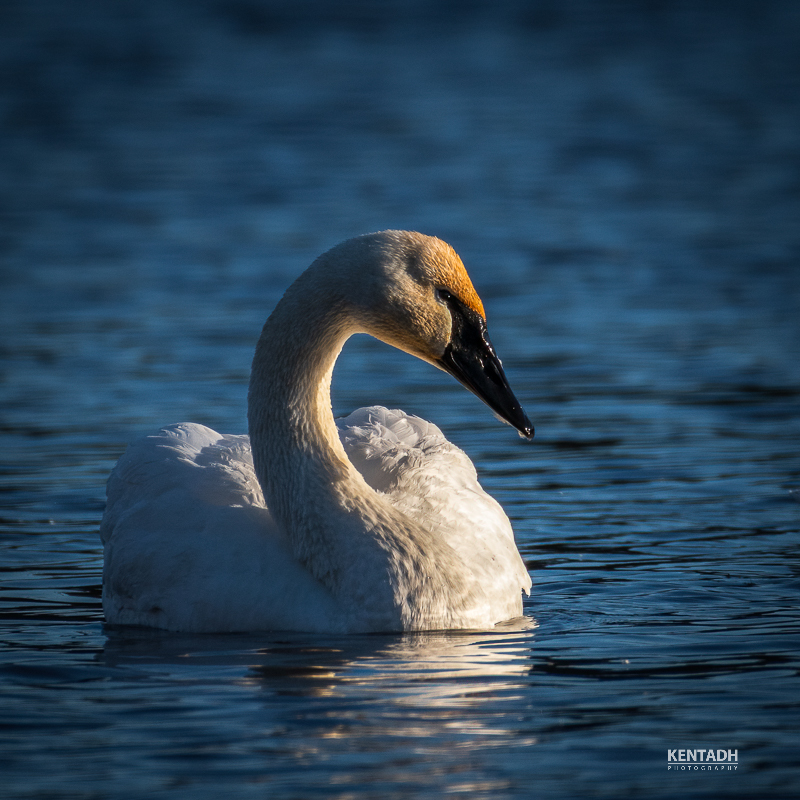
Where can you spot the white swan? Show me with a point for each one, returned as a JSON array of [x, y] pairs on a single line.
[[377, 525]]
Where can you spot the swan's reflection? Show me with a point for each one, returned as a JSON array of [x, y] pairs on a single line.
[[279, 661], [292, 663], [451, 703]]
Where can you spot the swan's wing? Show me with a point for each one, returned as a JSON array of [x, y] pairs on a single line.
[[187, 458], [434, 482], [190, 545]]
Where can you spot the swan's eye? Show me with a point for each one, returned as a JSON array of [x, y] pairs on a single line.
[[443, 296]]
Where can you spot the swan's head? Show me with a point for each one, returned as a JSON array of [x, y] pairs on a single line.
[[413, 292]]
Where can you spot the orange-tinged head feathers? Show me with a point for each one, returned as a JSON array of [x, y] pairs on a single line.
[[387, 285], [449, 272]]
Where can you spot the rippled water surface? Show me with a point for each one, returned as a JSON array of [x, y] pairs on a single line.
[[622, 182]]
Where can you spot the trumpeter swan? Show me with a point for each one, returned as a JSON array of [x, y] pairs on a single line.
[[378, 524]]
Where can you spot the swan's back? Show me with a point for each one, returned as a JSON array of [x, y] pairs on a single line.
[[191, 546]]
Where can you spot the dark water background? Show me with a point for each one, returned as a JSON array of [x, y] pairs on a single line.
[[623, 183]]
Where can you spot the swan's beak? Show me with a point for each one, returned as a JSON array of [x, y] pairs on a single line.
[[471, 359]]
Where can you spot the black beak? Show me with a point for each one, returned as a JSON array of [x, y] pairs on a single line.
[[471, 359]]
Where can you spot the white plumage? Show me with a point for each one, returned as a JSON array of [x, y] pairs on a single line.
[[376, 523]]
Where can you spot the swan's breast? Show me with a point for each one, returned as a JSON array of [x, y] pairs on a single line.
[[434, 482]]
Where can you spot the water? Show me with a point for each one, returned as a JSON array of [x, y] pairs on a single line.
[[623, 186]]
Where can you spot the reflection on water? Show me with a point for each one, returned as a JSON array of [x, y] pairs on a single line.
[[622, 185], [443, 667], [352, 710]]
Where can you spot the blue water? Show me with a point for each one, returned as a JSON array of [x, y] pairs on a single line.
[[623, 183]]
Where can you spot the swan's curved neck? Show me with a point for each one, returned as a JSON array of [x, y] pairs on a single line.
[[292, 432], [312, 490], [345, 533]]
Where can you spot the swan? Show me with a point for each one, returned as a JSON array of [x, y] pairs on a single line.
[[374, 523]]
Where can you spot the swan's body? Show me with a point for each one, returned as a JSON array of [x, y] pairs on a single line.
[[377, 525]]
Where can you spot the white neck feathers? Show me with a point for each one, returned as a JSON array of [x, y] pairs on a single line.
[[387, 571]]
